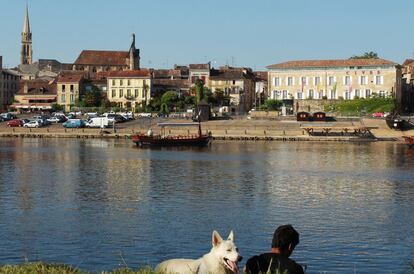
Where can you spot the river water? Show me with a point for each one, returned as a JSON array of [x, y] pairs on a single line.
[[102, 204]]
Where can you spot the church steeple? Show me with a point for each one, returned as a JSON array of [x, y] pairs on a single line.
[[26, 51], [133, 55]]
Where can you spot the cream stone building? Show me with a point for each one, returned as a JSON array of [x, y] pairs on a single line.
[[9, 85], [334, 79], [69, 89], [130, 88], [35, 95]]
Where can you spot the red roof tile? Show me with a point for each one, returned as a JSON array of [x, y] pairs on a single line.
[[103, 58], [39, 87], [71, 77], [332, 63], [130, 73], [199, 66]]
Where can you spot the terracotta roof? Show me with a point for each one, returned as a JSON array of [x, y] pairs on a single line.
[[199, 66], [130, 73], [103, 58], [408, 62], [227, 75], [166, 73], [37, 87], [332, 63], [167, 83], [71, 77]]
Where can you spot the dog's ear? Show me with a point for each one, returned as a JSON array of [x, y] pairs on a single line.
[[216, 238], [231, 236]]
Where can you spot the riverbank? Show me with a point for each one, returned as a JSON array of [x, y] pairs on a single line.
[[240, 129], [42, 268]]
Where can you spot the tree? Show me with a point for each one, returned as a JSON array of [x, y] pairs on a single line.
[[366, 55], [272, 104], [169, 98], [199, 90], [57, 107]]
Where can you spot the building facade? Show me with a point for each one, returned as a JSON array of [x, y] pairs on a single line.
[[238, 83], [35, 95], [334, 79], [130, 89], [93, 61], [69, 89], [199, 71], [9, 85]]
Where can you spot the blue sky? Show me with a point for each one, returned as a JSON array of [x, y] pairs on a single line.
[[235, 32]]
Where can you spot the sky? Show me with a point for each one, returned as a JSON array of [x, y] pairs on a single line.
[[250, 33]]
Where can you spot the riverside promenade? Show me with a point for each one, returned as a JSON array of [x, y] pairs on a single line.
[[237, 129]]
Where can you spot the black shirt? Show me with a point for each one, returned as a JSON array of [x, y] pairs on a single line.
[[279, 265]]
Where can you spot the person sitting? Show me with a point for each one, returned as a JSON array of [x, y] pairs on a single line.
[[285, 239]]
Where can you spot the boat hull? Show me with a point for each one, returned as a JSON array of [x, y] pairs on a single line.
[[157, 141]]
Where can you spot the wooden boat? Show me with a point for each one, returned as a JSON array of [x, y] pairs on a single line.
[[395, 122], [409, 140], [162, 139]]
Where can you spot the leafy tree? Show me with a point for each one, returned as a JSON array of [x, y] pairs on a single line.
[[200, 92], [366, 55], [170, 98], [57, 107], [189, 100], [272, 104]]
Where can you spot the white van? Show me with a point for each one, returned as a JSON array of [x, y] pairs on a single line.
[[98, 122]]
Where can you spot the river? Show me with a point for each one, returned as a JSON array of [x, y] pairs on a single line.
[[102, 204]]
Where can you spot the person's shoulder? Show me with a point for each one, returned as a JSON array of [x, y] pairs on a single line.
[[298, 267]]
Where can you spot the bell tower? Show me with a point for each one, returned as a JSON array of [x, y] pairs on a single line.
[[26, 52]]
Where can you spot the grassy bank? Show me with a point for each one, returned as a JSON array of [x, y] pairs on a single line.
[[357, 106], [41, 268]]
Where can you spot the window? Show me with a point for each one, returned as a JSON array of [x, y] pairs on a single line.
[[310, 94], [379, 80], [63, 98], [113, 82], [363, 80], [347, 95], [136, 93], [284, 94], [121, 82], [71, 88], [304, 80], [121, 93], [113, 93], [129, 82], [128, 92], [63, 88], [321, 94], [290, 81], [333, 94], [72, 98], [347, 80], [277, 81], [357, 93], [367, 93], [331, 80], [382, 93], [300, 95]]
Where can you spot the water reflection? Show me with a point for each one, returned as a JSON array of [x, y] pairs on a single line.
[[87, 202]]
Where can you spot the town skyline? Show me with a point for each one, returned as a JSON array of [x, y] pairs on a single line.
[[232, 43]]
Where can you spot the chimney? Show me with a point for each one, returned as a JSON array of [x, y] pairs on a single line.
[[25, 88]]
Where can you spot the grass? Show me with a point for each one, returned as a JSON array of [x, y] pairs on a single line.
[[357, 106], [42, 268]]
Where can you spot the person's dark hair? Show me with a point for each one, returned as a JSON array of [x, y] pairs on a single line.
[[284, 236]]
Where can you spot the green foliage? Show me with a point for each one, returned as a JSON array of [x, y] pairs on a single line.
[[41, 268], [273, 104], [366, 55], [354, 107], [164, 108], [199, 90], [57, 107]]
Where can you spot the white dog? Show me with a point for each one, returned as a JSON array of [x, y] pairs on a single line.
[[222, 259]]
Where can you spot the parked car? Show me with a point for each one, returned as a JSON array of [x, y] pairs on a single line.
[[98, 122], [74, 123], [15, 123], [57, 119], [7, 116], [144, 115], [33, 123], [378, 115]]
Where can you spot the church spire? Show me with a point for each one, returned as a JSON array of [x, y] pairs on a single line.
[[26, 27], [26, 49]]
